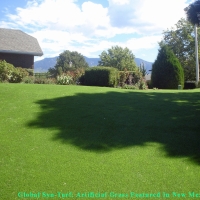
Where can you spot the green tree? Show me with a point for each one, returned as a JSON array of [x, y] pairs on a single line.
[[68, 61], [119, 58], [182, 42], [167, 72], [143, 69]]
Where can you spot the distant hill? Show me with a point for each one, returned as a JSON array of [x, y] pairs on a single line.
[[46, 63]]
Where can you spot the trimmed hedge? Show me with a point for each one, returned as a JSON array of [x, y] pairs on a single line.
[[101, 76]]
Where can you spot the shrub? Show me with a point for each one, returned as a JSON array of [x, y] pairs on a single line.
[[167, 72], [6, 70], [198, 86], [11, 74], [33, 80], [81, 79], [132, 87], [28, 80], [132, 80], [189, 85], [101, 76], [64, 79], [149, 84], [129, 77], [142, 85], [30, 71]]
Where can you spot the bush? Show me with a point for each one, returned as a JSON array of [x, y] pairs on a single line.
[[149, 84], [101, 76], [30, 72], [33, 80], [129, 77], [167, 72], [189, 85], [132, 80], [132, 87], [198, 86], [28, 80], [8, 73], [6, 70], [142, 84], [64, 79]]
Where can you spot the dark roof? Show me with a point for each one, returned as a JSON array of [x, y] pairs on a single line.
[[16, 41]]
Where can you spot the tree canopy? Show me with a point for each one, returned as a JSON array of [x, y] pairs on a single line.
[[192, 12], [182, 42], [118, 57], [68, 61], [167, 72]]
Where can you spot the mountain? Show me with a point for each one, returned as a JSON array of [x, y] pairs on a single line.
[[46, 63]]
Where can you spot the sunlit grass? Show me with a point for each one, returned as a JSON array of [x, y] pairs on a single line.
[[95, 139]]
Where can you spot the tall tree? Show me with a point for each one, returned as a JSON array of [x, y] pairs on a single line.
[[193, 15], [119, 58], [192, 12], [182, 42], [68, 61], [167, 72]]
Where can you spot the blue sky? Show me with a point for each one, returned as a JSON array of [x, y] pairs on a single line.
[[90, 27]]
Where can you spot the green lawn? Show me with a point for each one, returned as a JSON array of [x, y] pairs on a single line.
[[61, 139]]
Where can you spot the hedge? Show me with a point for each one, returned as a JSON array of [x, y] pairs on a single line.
[[101, 76]]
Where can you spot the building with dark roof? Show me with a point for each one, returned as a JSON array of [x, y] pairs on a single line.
[[18, 48]]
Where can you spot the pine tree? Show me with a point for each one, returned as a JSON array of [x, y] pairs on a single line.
[[167, 72]]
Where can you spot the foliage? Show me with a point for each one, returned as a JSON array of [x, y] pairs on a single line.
[[101, 76], [30, 71], [190, 85], [68, 61], [129, 77], [64, 79], [167, 72], [119, 58], [182, 42], [28, 80], [11, 74], [131, 87], [149, 84], [198, 85], [143, 69], [6, 70], [142, 84], [191, 12]]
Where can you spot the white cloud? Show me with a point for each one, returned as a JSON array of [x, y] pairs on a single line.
[[150, 16], [119, 2], [64, 25]]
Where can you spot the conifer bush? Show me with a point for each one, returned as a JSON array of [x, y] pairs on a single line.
[[167, 72]]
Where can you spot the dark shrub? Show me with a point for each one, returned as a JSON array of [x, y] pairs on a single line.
[[189, 85], [101, 76], [149, 84], [167, 72], [81, 79], [198, 86]]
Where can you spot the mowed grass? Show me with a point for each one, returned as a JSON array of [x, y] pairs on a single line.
[[95, 139]]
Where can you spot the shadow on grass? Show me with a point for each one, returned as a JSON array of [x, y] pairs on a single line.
[[105, 121]]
